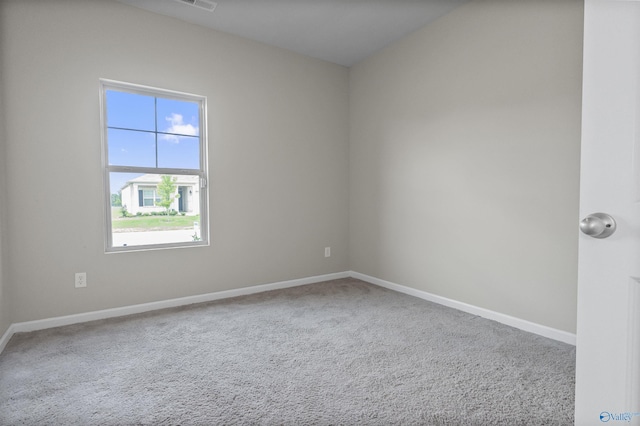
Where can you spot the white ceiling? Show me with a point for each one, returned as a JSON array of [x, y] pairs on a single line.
[[339, 31]]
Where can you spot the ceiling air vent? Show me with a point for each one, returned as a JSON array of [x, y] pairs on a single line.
[[202, 4]]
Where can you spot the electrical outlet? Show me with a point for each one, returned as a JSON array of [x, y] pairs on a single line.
[[81, 279], [327, 252]]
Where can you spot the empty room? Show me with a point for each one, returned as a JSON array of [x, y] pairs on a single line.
[[319, 212]]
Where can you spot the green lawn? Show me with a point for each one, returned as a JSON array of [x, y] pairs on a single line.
[[152, 223]]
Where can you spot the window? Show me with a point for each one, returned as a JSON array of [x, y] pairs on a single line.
[[148, 198], [154, 162]]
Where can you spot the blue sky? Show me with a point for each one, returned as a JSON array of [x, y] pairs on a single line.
[[150, 132]]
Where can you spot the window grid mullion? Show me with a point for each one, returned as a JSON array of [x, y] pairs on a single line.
[[154, 170], [155, 118]]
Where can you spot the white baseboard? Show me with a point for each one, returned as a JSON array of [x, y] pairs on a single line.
[[22, 327], [521, 324], [5, 337]]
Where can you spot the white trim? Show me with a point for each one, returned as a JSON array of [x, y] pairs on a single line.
[[521, 324], [21, 327], [6, 336]]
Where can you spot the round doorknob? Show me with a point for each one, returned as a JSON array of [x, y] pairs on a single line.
[[598, 225]]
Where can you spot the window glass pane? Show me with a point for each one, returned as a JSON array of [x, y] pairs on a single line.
[[174, 218], [178, 117], [118, 180], [180, 152], [130, 111], [131, 148], [148, 197]]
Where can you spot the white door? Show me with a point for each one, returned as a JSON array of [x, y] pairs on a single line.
[[608, 335]]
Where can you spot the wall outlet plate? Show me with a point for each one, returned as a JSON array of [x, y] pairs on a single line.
[[81, 279]]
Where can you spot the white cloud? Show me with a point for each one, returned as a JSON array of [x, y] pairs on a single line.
[[177, 125]]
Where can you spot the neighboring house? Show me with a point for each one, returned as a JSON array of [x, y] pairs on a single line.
[[139, 195]]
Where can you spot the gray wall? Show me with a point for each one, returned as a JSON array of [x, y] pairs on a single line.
[[5, 320], [460, 145], [464, 159], [278, 157]]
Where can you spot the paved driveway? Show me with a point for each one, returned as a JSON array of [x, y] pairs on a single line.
[[152, 237]]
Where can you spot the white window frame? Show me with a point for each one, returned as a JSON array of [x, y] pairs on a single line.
[[202, 172]]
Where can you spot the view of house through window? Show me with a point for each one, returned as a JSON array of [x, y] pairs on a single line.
[[155, 170]]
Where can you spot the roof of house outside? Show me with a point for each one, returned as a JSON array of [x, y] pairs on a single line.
[[154, 179]]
